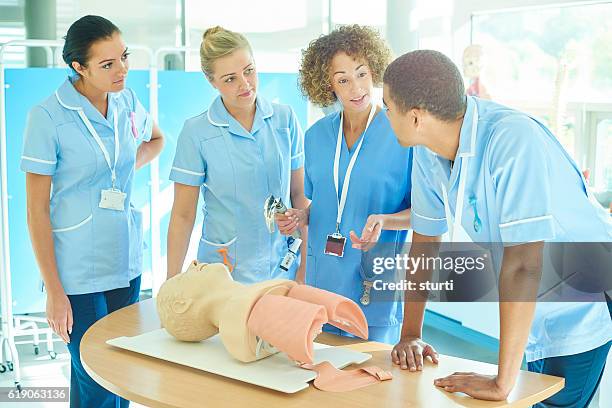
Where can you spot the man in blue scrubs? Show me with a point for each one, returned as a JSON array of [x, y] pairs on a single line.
[[486, 173]]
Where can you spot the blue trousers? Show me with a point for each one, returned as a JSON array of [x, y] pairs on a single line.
[[582, 373], [86, 310]]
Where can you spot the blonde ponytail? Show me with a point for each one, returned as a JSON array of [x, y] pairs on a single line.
[[218, 42]]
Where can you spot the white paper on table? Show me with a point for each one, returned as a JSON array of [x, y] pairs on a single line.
[[276, 372]]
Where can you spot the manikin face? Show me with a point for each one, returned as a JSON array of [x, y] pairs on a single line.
[[351, 81], [472, 61], [186, 302], [235, 77], [107, 65]]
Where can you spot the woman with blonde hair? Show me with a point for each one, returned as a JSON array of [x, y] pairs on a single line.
[[354, 146], [237, 153]]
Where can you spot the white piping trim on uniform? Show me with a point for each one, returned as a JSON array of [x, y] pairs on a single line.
[[38, 160], [64, 105], [220, 245], [80, 224], [297, 155], [193, 173], [427, 218], [526, 220], [212, 121]]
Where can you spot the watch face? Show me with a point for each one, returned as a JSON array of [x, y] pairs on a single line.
[[335, 245]]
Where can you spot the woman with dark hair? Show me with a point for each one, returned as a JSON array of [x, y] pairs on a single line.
[[355, 145], [82, 146]]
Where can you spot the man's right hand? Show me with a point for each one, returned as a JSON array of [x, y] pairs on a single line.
[[410, 352], [59, 315]]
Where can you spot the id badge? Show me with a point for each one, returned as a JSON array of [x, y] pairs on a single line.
[[112, 199], [334, 245]]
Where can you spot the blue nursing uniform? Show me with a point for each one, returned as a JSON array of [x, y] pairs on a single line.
[[523, 187], [379, 184], [98, 251], [236, 171]]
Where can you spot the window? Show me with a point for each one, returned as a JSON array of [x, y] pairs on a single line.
[[601, 177], [532, 50], [363, 12], [14, 57], [555, 63], [276, 29]]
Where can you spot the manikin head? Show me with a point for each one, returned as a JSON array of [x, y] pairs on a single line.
[[473, 61], [204, 301]]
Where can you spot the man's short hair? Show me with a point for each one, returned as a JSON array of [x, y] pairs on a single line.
[[428, 80]]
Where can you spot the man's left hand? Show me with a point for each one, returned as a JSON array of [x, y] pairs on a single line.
[[478, 386]]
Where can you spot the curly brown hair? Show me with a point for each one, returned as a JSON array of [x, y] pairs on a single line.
[[359, 42]]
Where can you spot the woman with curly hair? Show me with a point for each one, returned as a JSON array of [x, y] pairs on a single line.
[[357, 176]]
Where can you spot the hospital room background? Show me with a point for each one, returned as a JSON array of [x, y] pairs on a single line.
[[552, 59]]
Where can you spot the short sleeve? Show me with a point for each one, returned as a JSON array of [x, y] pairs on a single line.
[[428, 216], [519, 167], [297, 142], [142, 121], [189, 166], [40, 143]]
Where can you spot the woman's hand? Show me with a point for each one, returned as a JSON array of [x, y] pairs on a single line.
[[370, 233], [59, 315], [291, 220]]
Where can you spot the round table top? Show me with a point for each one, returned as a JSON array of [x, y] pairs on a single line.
[[158, 383]]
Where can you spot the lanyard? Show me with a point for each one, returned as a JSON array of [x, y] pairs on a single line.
[[96, 137], [349, 170], [454, 223]]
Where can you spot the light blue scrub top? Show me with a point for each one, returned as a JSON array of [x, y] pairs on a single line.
[[96, 249], [237, 170], [524, 187], [380, 184]]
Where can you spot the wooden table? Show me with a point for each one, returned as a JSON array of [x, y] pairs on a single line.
[[157, 383]]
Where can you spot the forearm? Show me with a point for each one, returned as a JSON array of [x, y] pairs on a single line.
[[416, 300], [179, 233], [414, 314], [515, 322], [397, 221], [299, 201], [39, 225], [148, 151], [519, 281]]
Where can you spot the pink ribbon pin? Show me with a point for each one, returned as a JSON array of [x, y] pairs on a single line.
[[133, 122]]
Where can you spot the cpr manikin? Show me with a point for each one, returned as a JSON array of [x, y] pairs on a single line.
[[255, 321]]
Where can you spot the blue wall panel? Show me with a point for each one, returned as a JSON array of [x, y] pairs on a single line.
[[26, 88]]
